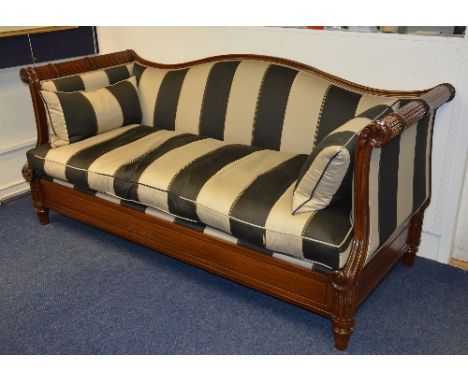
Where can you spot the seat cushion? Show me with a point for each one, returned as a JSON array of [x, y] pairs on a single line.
[[242, 190]]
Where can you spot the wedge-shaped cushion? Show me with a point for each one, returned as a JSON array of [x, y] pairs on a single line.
[[91, 80], [74, 116], [326, 176], [242, 190]]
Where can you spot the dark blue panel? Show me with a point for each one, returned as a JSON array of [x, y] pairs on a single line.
[[14, 51], [63, 44]]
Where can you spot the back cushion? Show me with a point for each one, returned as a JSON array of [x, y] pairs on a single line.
[[92, 80], [251, 102]]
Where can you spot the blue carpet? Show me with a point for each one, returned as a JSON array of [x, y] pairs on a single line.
[[67, 288]]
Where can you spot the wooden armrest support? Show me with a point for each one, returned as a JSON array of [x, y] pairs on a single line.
[[384, 130]]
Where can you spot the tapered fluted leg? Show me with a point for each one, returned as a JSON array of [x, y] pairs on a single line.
[[342, 335], [37, 194], [414, 238], [343, 317], [43, 215]]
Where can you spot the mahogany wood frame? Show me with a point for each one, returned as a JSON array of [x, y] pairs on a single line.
[[337, 295]]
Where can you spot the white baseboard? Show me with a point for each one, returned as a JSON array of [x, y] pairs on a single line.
[[12, 159], [20, 146], [460, 254], [13, 189], [429, 247]]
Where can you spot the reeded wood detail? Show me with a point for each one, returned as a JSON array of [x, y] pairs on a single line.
[[343, 317], [439, 95], [77, 66], [384, 130]]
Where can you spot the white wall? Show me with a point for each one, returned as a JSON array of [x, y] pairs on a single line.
[[460, 249], [17, 131], [386, 61], [460, 241]]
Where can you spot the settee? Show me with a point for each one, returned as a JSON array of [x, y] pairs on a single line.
[[266, 171]]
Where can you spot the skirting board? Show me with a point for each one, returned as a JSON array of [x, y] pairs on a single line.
[[459, 264], [429, 247], [461, 255], [13, 189], [12, 159], [20, 146]]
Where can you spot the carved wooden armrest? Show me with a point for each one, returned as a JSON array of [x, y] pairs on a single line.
[[376, 135], [384, 130]]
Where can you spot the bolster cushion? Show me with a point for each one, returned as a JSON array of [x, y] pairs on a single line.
[[74, 116], [91, 80], [326, 176]]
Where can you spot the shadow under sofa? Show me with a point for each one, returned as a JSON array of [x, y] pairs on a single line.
[[208, 171]]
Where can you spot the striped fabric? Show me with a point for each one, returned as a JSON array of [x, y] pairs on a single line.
[[92, 80], [326, 177], [74, 116], [244, 191], [248, 102], [200, 227], [399, 181]]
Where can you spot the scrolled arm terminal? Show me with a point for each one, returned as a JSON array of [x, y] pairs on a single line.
[[384, 130]]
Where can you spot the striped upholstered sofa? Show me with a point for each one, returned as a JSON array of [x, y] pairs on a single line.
[[266, 171]]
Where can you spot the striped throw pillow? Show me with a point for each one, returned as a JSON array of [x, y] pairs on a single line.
[[74, 116], [326, 176]]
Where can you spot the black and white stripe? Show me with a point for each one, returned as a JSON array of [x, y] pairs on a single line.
[[184, 189], [271, 106], [339, 106], [215, 99], [326, 177], [399, 181], [74, 116], [244, 191], [92, 80]]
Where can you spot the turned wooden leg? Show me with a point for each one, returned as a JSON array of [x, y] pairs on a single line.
[[37, 194], [414, 238], [43, 215], [343, 317]]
